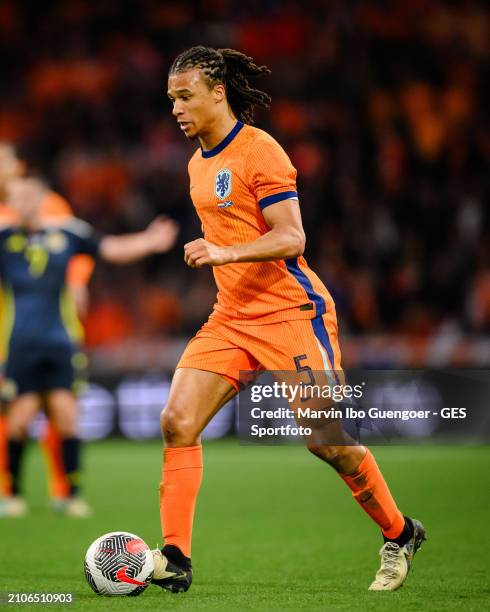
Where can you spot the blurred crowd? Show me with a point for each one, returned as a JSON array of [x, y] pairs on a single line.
[[381, 105]]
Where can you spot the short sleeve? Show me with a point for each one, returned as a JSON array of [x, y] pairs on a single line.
[[272, 176], [89, 245], [85, 239]]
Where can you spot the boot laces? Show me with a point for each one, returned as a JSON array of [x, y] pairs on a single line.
[[390, 555]]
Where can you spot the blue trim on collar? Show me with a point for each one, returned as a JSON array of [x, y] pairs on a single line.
[[224, 143]]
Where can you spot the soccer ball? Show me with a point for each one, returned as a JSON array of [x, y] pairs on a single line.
[[118, 563]]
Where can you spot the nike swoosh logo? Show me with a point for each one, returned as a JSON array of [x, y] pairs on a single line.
[[122, 576]]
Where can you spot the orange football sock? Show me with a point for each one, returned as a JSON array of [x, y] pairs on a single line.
[[371, 492], [50, 442], [181, 480]]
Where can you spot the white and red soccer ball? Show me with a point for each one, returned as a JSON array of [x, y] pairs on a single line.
[[118, 563]]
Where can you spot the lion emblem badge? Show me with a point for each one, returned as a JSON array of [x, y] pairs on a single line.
[[222, 183]]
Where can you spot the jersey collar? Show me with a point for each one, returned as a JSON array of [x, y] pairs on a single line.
[[224, 143]]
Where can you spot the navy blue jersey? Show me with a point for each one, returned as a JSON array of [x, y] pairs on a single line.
[[37, 310]]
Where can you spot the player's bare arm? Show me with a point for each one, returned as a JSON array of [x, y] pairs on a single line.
[[285, 239], [158, 237], [25, 196]]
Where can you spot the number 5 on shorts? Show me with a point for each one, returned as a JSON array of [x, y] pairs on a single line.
[[304, 368]]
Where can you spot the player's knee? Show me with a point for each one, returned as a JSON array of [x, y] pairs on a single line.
[[326, 453], [65, 425], [176, 426], [16, 430], [17, 425], [344, 459], [65, 421]]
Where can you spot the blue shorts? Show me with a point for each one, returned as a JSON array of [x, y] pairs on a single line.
[[40, 370]]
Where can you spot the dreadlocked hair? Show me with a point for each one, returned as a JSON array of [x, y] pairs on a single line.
[[232, 69]]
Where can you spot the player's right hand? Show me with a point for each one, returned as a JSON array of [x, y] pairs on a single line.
[[201, 252]]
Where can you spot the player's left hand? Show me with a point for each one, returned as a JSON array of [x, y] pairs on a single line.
[[200, 253]]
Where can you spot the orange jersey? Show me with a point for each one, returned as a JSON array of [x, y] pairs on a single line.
[[55, 207], [230, 185]]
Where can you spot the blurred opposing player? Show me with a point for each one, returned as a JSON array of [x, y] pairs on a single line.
[[38, 347], [79, 272], [272, 311]]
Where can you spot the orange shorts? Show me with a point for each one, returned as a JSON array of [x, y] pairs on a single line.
[[226, 347]]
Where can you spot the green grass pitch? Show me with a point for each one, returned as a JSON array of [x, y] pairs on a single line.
[[275, 530]]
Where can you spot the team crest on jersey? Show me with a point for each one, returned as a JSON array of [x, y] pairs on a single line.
[[56, 242], [222, 183]]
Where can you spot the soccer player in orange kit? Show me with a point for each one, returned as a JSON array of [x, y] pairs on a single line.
[[79, 271], [272, 311]]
